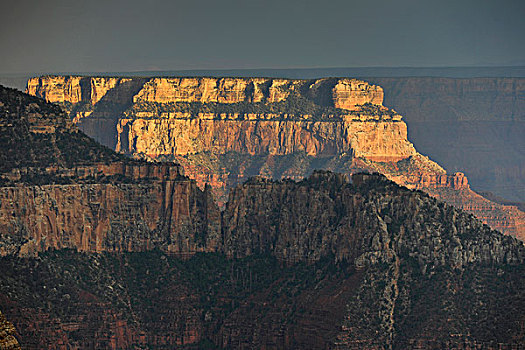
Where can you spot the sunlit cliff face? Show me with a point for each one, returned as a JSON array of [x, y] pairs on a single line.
[[223, 130]]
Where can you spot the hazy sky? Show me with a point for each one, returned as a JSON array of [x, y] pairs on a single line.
[[66, 35]]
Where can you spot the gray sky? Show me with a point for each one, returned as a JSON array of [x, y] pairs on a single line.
[[45, 36]]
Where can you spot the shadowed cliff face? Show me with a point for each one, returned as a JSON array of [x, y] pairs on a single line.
[[289, 218], [321, 263], [340, 93], [172, 215], [471, 125], [224, 130]]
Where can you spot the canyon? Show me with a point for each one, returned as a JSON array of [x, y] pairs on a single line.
[[467, 119], [224, 130], [102, 251]]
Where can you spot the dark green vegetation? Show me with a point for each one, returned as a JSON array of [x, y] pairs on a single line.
[[167, 297], [295, 107], [301, 101], [320, 263], [151, 292], [35, 135]]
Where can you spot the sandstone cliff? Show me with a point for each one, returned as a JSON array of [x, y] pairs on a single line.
[[374, 140], [321, 263], [341, 93], [474, 125], [210, 125], [88, 90]]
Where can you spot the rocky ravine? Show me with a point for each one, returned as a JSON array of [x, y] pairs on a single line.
[[224, 130]]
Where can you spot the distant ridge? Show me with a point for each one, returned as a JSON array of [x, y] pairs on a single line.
[[18, 80]]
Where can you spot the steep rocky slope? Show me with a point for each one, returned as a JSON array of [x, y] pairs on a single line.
[[60, 189], [321, 263], [223, 130]]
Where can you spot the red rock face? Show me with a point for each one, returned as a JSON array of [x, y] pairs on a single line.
[[60, 189], [159, 206], [322, 263]]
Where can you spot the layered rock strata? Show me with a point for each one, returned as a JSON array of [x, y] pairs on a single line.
[[374, 140], [321, 263], [474, 124], [341, 93], [211, 125]]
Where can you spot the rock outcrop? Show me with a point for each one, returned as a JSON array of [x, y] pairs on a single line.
[[211, 125], [56, 89], [107, 252], [278, 217], [172, 215], [60, 189], [474, 125], [7, 335], [73, 90], [349, 93]]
